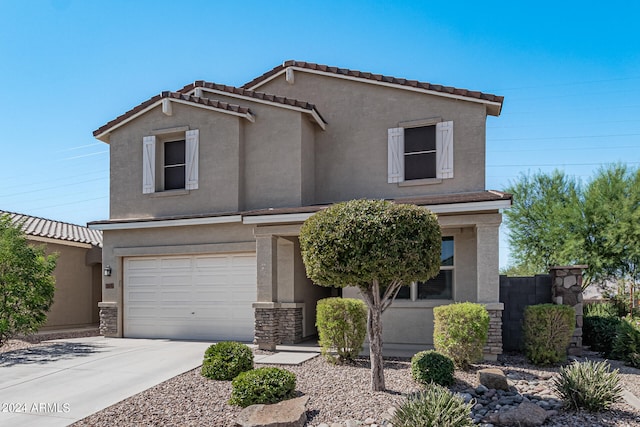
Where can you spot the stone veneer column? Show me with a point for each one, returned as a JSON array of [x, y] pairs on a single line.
[[290, 322], [566, 289], [493, 348], [108, 319], [266, 326]]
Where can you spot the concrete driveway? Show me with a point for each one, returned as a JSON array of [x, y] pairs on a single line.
[[68, 380]]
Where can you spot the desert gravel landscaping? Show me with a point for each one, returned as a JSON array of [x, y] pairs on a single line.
[[337, 393]]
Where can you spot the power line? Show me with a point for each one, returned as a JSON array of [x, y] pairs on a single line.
[[559, 165], [565, 137]]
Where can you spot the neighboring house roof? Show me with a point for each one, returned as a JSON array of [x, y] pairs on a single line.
[[494, 102], [444, 203], [164, 99], [255, 96], [46, 228]]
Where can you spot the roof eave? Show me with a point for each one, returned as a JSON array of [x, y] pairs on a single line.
[[191, 89], [104, 135], [494, 108]]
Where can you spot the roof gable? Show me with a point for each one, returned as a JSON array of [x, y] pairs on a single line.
[[161, 99], [250, 95], [493, 102], [46, 228]]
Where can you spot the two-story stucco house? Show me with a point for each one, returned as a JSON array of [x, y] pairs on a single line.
[[210, 185]]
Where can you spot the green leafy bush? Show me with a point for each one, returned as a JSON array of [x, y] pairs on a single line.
[[547, 332], [589, 385], [434, 407], [460, 332], [627, 343], [262, 385], [225, 360], [342, 326], [600, 325], [432, 367]]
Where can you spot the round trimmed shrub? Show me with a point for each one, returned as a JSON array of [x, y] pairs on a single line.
[[342, 327], [225, 360], [589, 385], [434, 407], [547, 332], [432, 367], [263, 385], [460, 332]]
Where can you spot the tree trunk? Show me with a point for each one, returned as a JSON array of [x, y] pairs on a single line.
[[374, 328]]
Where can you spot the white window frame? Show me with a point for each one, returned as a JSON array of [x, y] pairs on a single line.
[[396, 153], [153, 159]]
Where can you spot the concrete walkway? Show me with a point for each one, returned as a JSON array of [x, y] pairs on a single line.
[[58, 384]]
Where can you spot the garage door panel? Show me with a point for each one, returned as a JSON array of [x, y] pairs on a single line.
[[205, 297], [173, 263]]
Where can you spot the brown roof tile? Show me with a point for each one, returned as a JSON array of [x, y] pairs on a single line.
[[41, 227], [375, 77], [172, 95], [431, 200], [251, 94], [439, 199]]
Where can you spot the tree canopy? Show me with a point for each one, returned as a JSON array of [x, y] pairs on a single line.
[[556, 220], [377, 246], [26, 282]]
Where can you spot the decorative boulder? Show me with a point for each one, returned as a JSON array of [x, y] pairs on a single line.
[[493, 378], [527, 414], [288, 413]]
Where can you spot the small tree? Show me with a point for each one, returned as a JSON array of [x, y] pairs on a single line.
[[377, 246], [26, 282]]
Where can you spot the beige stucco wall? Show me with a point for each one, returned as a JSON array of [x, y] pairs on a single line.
[[351, 155], [219, 179], [77, 287]]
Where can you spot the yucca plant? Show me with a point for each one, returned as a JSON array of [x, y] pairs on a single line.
[[589, 385], [434, 407]]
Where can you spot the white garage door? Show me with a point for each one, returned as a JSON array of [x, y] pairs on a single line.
[[205, 297]]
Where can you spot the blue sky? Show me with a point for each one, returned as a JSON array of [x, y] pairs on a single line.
[[569, 72]]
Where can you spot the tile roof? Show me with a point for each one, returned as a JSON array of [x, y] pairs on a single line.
[[432, 200], [41, 227], [375, 78], [260, 96], [171, 95]]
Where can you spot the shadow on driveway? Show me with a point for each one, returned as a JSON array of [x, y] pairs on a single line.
[[42, 355]]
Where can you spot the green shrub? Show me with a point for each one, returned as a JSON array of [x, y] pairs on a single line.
[[432, 367], [589, 385], [547, 332], [602, 309], [460, 332], [262, 385], [627, 343], [599, 327], [342, 326], [434, 407], [225, 360]]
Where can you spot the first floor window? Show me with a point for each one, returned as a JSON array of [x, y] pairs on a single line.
[[439, 287]]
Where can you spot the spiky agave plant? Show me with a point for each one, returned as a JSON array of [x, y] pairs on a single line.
[[589, 385], [436, 406]]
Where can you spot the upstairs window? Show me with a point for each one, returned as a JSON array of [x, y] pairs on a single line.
[[175, 158], [174, 165], [420, 152]]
